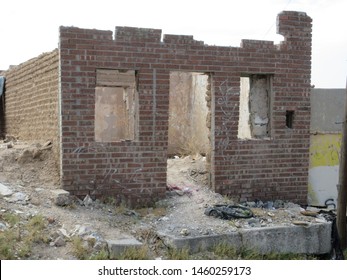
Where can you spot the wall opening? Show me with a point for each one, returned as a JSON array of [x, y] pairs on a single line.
[[2, 107], [255, 107], [189, 145], [289, 119], [116, 105]]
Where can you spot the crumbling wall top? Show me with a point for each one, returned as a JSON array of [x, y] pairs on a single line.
[[292, 25], [125, 33]]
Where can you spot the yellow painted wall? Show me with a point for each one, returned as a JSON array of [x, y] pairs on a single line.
[[324, 165], [325, 150]]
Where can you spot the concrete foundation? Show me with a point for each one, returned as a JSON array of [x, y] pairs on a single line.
[[313, 239]]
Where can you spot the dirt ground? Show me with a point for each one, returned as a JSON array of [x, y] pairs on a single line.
[[30, 175]]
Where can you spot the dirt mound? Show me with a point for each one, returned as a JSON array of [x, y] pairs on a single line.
[[28, 164]]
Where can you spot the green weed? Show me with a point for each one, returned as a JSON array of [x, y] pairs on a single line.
[[80, 249], [134, 253], [16, 242]]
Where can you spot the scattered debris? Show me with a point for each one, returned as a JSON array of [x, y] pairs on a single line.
[[18, 197], [228, 212], [309, 213], [301, 223]]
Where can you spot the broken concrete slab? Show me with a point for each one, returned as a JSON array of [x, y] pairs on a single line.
[[312, 239], [117, 247], [61, 197], [5, 191]]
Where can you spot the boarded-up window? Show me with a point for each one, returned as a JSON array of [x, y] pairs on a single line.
[[115, 105]]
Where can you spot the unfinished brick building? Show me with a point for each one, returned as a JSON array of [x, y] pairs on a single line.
[[111, 96]]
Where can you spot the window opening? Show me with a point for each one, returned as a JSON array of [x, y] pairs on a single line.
[[254, 110], [289, 119]]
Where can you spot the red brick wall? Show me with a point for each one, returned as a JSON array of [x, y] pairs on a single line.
[[275, 168], [31, 100]]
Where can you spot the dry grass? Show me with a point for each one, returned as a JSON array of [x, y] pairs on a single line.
[[17, 240], [178, 254]]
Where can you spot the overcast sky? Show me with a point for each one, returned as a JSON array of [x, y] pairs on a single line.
[[29, 28]]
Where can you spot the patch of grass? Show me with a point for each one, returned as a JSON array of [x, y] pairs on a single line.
[[17, 241], [101, 255], [80, 249], [11, 219], [134, 253], [8, 239], [249, 254], [35, 227], [178, 254], [121, 208], [225, 250]]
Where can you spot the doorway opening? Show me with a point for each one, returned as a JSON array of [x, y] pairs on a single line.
[[189, 133]]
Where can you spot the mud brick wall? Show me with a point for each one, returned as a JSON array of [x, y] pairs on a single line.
[[275, 167], [31, 100]]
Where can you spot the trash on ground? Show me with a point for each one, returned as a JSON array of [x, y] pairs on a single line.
[[228, 212]]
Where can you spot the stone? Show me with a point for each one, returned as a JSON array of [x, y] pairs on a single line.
[[50, 220], [184, 232], [81, 230], [268, 205], [254, 222], [25, 157], [87, 201], [61, 197], [3, 227], [278, 204], [5, 191], [48, 143], [59, 242], [35, 201], [18, 197]]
